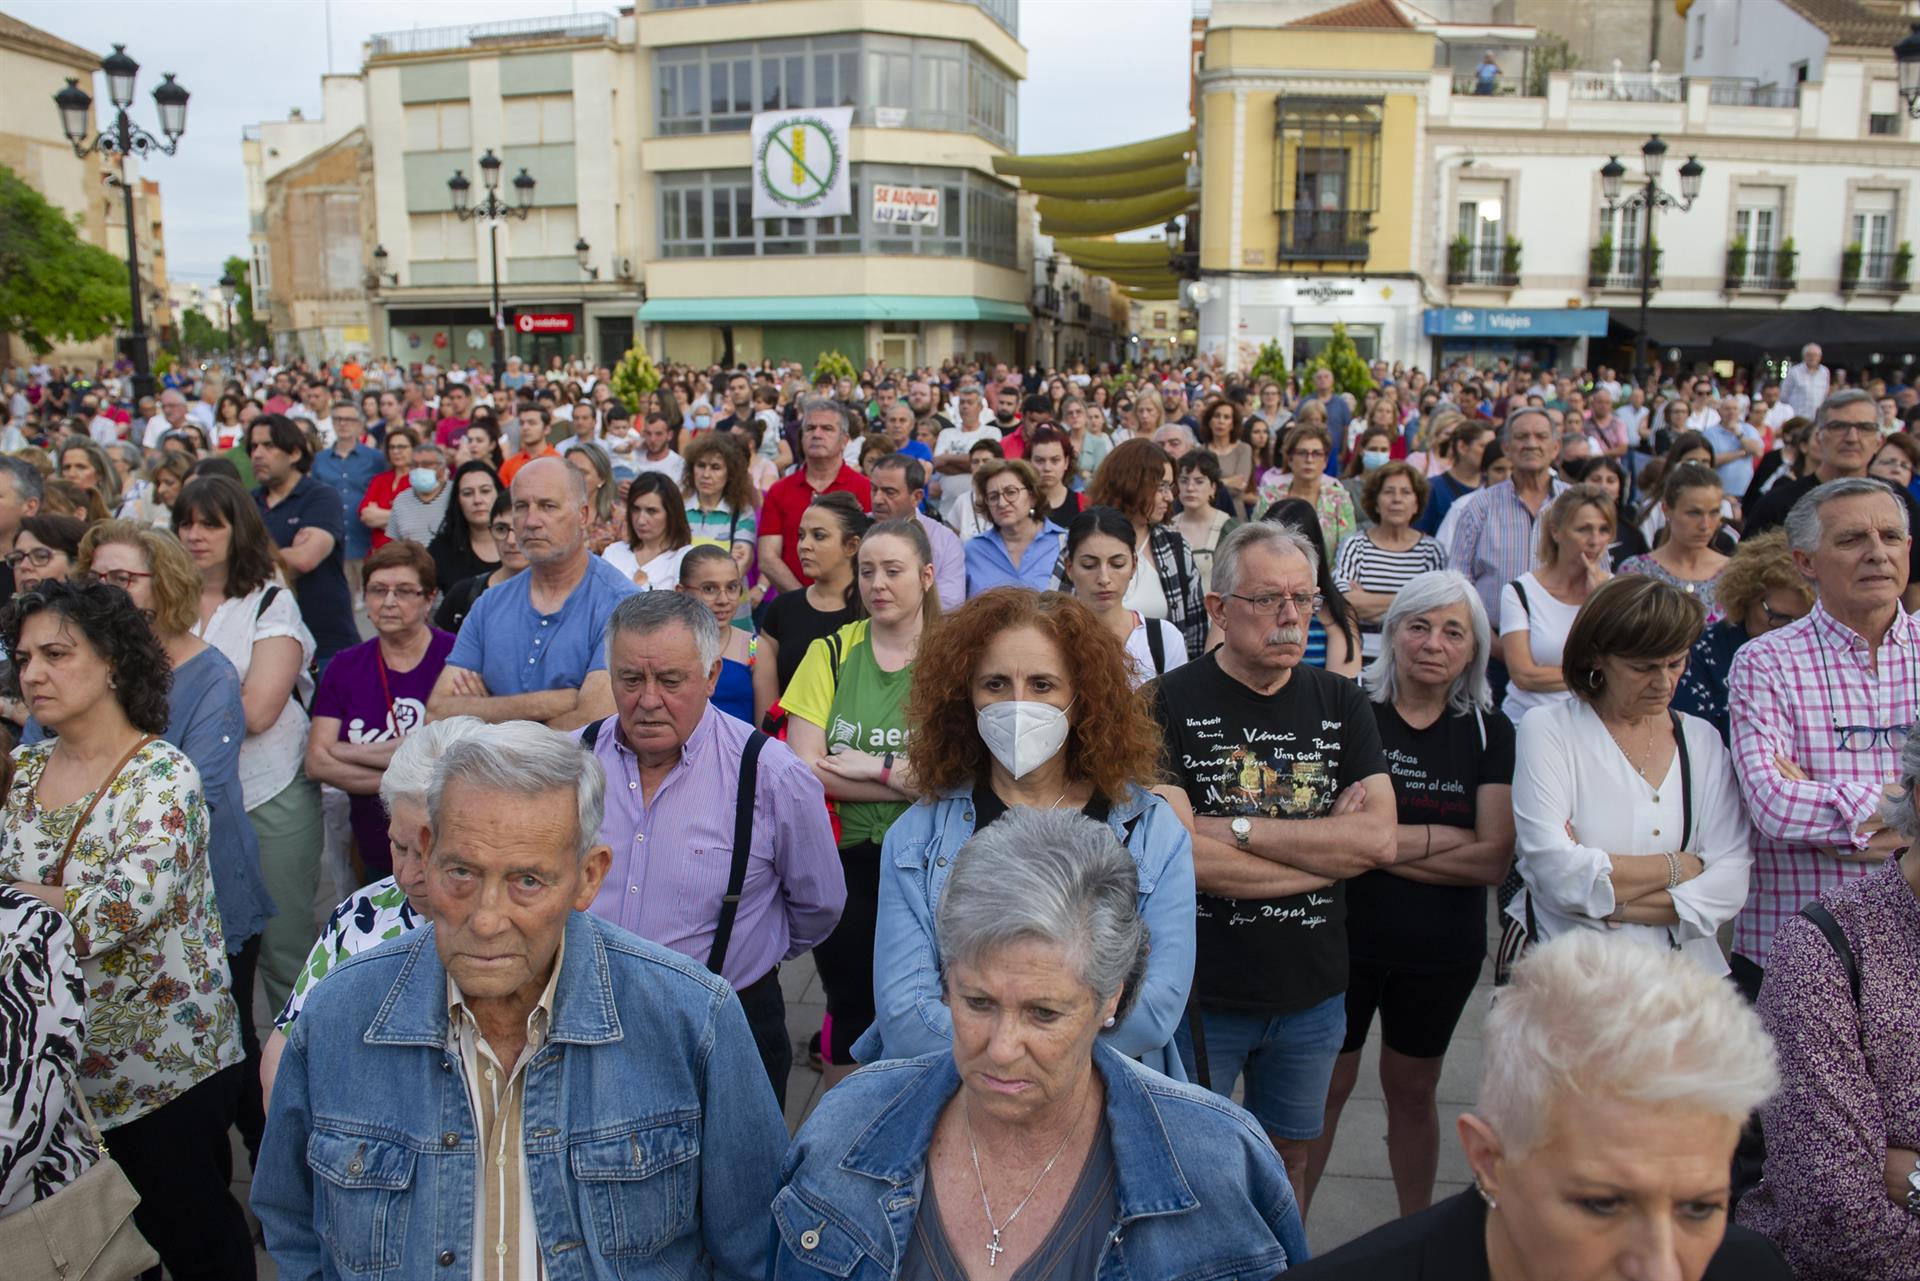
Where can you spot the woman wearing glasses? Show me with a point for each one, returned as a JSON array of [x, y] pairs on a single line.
[[710, 572], [375, 693], [1020, 546], [44, 548]]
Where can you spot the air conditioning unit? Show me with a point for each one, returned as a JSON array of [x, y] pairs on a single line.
[[623, 267]]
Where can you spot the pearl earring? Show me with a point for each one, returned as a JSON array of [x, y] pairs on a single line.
[[1109, 1023]]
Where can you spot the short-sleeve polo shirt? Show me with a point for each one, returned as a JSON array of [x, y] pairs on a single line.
[[326, 606], [518, 650]]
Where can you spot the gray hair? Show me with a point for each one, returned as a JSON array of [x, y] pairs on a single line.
[[1590, 1017], [524, 758], [1897, 810], [1261, 533], [1506, 427], [644, 613], [28, 483], [409, 774], [1055, 877], [1804, 527], [1181, 428], [1840, 400], [1435, 589], [825, 405]]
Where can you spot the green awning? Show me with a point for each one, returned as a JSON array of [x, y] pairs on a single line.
[[841, 307]]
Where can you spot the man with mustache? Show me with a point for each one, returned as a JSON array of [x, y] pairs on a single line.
[[1283, 766]]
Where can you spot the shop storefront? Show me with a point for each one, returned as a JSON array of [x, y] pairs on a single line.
[[1240, 314], [1540, 338], [902, 330], [454, 335]]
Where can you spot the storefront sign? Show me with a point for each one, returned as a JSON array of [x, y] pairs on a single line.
[[543, 322], [906, 206], [1483, 322], [1324, 291]]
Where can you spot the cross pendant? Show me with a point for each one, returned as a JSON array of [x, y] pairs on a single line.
[[995, 1250]]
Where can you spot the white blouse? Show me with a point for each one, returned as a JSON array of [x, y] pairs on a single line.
[[270, 759], [660, 574], [1576, 800]]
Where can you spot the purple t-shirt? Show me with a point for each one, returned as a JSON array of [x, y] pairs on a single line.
[[351, 691]]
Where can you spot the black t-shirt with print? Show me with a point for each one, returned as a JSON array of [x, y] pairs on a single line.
[[1437, 775], [1283, 755]]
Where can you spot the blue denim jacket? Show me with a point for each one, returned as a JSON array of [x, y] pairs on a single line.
[[853, 1179], [911, 1019], [651, 1135]]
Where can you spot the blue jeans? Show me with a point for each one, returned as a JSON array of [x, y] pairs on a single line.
[[1288, 1059]]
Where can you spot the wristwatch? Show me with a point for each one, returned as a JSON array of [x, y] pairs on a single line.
[[1913, 1188], [1242, 828]]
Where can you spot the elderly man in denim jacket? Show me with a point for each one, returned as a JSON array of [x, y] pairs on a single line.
[[520, 1090]]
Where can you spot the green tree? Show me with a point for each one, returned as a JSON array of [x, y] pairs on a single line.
[[250, 331], [832, 367], [200, 335], [1269, 363], [634, 377], [53, 285], [1350, 373], [1550, 54]]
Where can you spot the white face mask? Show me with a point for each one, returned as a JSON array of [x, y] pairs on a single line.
[[423, 479], [1022, 735], [1373, 458]]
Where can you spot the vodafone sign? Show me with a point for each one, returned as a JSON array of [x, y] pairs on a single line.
[[543, 322]]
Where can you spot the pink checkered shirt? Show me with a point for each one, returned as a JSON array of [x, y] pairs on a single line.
[[1787, 692]]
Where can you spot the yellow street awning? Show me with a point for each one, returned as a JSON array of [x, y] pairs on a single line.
[[1135, 182], [1110, 160], [1104, 217]]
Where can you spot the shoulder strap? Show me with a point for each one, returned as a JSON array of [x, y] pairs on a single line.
[[833, 657], [1686, 779], [591, 734], [1526, 606], [266, 599], [1156, 646], [742, 848], [60, 868], [1817, 912]]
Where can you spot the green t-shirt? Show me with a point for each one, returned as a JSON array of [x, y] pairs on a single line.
[[865, 710]]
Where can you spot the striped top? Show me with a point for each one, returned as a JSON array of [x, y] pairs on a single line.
[[1365, 564]]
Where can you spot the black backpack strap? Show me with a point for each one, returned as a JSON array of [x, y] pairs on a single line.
[[1686, 779], [742, 848], [591, 734], [1156, 647], [1817, 912], [266, 599], [1526, 606]]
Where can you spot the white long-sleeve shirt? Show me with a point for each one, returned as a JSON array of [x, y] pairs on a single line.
[[1568, 770]]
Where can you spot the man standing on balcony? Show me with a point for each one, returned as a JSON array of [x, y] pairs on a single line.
[[1485, 74], [1807, 383]]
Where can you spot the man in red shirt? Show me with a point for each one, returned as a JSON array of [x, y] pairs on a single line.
[[823, 443], [454, 419], [535, 422]]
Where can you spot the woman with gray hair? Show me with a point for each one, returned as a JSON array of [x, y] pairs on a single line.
[[1417, 929], [392, 905], [1030, 1137], [1840, 1194], [1615, 1084]]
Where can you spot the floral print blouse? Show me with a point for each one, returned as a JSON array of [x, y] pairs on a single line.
[[367, 918], [1338, 516], [160, 1016]]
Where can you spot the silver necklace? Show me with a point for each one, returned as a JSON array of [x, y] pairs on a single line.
[[994, 1248]]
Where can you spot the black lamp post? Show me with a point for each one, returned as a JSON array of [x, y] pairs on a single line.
[[122, 139], [1906, 56], [229, 290], [494, 210], [1651, 196]]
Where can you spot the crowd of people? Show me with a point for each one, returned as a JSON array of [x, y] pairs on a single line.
[[1119, 743]]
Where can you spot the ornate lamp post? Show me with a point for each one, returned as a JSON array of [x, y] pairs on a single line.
[[494, 210], [1650, 197], [1906, 56], [583, 254], [124, 138]]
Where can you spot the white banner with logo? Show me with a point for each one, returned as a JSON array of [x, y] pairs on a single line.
[[802, 163], [906, 206]]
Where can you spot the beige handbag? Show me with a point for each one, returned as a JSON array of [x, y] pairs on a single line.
[[83, 1232]]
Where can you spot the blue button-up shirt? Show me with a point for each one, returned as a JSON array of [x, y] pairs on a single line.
[[1494, 542], [671, 857], [519, 650], [349, 477], [990, 564]]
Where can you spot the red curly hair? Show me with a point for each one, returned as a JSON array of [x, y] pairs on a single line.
[[1112, 737]]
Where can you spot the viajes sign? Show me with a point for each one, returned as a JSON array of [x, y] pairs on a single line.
[[801, 163], [1474, 322]]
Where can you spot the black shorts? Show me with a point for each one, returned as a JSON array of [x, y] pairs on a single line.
[[1418, 1011]]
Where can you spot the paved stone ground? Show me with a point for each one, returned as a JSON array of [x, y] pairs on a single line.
[[1355, 1196]]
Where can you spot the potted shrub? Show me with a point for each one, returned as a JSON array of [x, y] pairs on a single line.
[[1737, 260], [1850, 265], [1459, 254], [1510, 259], [1600, 259], [1902, 261], [1784, 260], [1269, 363]]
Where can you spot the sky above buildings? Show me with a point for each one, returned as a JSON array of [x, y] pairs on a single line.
[[1099, 73]]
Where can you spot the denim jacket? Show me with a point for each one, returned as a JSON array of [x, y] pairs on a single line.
[[854, 1178], [651, 1137], [909, 1016]]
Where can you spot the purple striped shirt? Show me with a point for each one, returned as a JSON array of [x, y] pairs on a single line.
[[1786, 694], [671, 857]]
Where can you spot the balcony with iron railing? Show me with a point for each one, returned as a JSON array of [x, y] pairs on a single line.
[[1325, 235], [1875, 273], [1760, 270], [1493, 266], [486, 35], [1618, 269]]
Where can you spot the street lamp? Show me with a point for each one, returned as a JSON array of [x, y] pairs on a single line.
[[583, 253], [124, 138], [1906, 56], [229, 290], [1652, 196], [493, 210], [380, 271]]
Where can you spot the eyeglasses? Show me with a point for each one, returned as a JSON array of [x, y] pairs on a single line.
[[502, 529], [1775, 618], [40, 556], [1842, 429], [124, 579], [402, 593], [1861, 738], [1306, 604], [712, 590], [1009, 496]]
